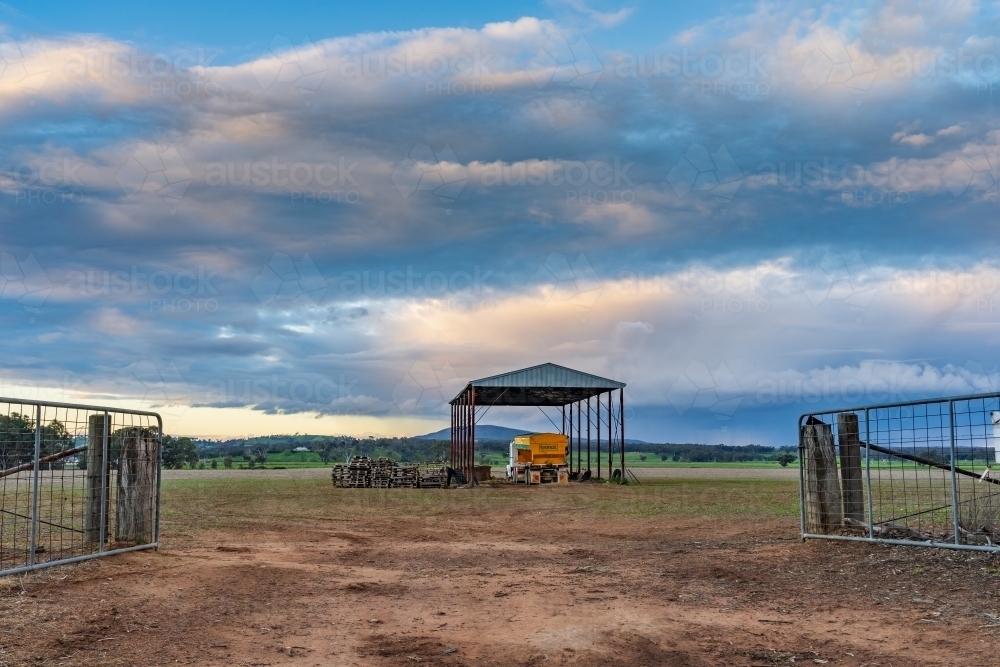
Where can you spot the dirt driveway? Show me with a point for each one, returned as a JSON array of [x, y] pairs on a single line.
[[574, 576]]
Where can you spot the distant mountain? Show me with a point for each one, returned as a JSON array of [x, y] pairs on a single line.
[[491, 432], [483, 432]]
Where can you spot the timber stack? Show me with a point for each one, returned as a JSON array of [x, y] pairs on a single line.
[[432, 476], [363, 472]]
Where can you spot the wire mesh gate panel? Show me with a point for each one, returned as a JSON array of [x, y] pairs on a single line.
[[76, 482], [923, 473]]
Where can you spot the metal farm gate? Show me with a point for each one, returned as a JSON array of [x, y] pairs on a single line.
[[920, 473], [76, 482]]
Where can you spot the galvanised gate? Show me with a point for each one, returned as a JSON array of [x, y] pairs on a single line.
[[76, 482], [920, 473]]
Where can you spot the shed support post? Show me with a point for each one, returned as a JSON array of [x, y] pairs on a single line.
[[598, 412], [460, 439], [611, 463], [460, 445], [569, 435], [588, 434], [470, 464], [579, 440], [621, 414]]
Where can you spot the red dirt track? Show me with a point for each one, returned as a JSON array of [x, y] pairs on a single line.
[[509, 586]]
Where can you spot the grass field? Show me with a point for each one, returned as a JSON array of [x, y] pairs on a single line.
[[192, 505]]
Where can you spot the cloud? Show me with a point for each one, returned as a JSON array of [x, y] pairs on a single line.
[[604, 19], [752, 196], [917, 140]]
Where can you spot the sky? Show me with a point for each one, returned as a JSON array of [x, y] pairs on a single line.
[[327, 218]]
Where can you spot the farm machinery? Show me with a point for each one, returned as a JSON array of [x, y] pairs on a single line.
[[538, 458]]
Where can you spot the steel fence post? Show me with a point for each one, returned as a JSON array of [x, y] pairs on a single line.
[[159, 471], [868, 479], [954, 478], [104, 485], [35, 489], [802, 486]]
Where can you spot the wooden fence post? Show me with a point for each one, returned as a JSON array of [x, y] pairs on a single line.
[[849, 441], [823, 498], [96, 480], [136, 506]]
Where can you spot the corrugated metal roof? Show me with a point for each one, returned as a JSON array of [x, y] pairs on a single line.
[[548, 375], [546, 384]]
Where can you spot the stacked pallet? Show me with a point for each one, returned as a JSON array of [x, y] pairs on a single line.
[[341, 477], [404, 477], [381, 473], [432, 476], [361, 472]]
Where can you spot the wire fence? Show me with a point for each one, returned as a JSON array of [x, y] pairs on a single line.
[[76, 482], [921, 472]]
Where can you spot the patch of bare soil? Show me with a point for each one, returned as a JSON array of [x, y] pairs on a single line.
[[504, 587]]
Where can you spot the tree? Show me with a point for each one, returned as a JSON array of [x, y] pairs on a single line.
[[215, 464], [642, 457], [17, 439], [178, 451], [785, 459], [55, 438], [676, 458], [227, 462]]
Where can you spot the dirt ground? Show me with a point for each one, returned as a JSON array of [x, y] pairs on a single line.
[[511, 580]]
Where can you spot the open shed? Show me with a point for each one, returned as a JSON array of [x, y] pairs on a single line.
[[597, 435]]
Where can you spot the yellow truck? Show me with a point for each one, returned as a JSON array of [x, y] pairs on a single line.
[[539, 458]]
